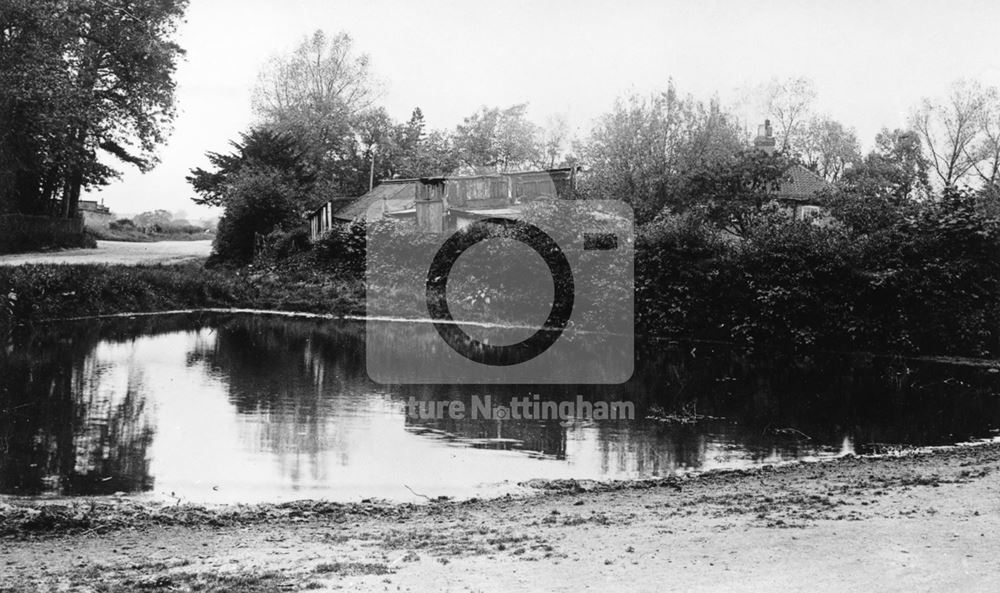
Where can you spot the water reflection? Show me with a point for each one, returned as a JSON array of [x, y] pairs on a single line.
[[246, 408]]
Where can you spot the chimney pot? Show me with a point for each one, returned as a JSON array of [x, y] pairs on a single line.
[[765, 138]]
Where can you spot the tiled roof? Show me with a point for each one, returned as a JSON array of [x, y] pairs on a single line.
[[803, 185]]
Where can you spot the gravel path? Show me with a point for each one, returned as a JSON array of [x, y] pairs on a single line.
[[117, 252]]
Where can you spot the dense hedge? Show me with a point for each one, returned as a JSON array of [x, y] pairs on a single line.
[[20, 233], [920, 279], [924, 279], [927, 280]]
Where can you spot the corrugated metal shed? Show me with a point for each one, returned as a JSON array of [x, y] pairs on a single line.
[[393, 195]]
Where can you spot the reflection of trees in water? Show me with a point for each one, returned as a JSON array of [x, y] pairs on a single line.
[[296, 382], [69, 424], [115, 433], [64, 425], [764, 408]]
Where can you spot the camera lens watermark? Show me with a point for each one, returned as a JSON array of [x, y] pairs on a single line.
[[540, 292]]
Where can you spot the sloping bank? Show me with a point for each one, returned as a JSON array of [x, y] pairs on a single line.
[[38, 292], [924, 521]]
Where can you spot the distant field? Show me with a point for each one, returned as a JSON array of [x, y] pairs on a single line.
[[137, 236], [117, 252]]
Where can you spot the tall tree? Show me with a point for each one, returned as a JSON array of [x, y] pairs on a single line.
[[896, 170], [322, 76], [826, 146], [641, 151], [319, 93], [988, 169], [788, 103], [256, 151], [79, 77], [434, 154], [553, 139], [950, 129], [498, 139]]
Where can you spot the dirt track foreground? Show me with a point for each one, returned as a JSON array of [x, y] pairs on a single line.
[[923, 522]]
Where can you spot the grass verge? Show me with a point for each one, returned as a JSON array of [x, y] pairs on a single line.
[[38, 292]]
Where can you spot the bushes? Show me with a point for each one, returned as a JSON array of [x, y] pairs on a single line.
[[258, 203], [283, 244], [791, 285], [52, 291], [343, 249], [678, 260], [924, 278], [20, 233], [57, 291]]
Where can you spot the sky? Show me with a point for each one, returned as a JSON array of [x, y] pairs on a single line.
[[871, 62]]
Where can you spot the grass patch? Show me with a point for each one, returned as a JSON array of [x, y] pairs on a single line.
[[265, 582], [38, 292], [352, 568], [137, 236]]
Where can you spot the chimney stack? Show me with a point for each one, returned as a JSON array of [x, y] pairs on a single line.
[[765, 138]]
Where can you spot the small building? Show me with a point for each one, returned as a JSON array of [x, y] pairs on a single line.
[[800, 191], [94, 214], [441, 203], [323, 218], [448, 203]]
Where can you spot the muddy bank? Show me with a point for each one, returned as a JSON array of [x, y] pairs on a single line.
[[924, 521]]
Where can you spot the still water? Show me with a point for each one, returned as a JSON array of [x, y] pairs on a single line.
[[247, 408]]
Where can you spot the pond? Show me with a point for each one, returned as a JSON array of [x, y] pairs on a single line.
[[250, 408]]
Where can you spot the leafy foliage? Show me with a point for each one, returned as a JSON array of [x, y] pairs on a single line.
[[738, 191], [258, 203], [643, 150], [259, 149], [78, 78]]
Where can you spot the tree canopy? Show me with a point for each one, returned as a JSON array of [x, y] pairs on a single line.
[[80, 79]]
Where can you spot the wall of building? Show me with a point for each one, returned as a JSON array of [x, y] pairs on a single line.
[[96, 220]]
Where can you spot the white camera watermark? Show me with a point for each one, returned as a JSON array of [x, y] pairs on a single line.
[[520, 408], [540, 293]]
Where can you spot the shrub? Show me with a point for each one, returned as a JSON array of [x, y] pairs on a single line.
[[258, 203], [342, 248]]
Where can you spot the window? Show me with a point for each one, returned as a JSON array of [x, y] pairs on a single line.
[[809, 212]]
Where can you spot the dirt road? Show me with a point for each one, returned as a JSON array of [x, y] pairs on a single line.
[[117, 252], [925, 522]]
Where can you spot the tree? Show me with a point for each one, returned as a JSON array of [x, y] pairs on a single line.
[[950, 130], [322, 76], [553, 138], [320, 94], [643, 149], [434, 154], [78, 78], [258, 150], [895, 170], [826, 146], [736, 193], [156, 220], [788, 102], [259, 202], [499, 139], [988, 169]]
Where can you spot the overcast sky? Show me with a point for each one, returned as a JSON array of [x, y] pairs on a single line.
[[871, 61]]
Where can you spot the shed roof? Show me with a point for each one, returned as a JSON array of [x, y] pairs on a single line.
[[398, 195]]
